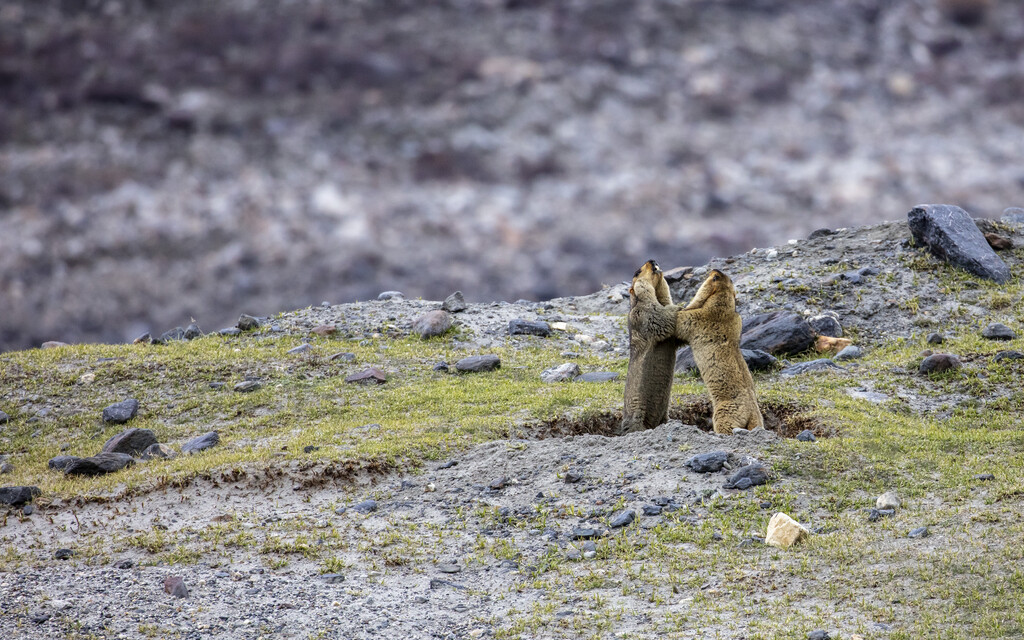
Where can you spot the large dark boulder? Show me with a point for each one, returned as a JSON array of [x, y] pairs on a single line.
[[952, 235], [98, 464], [756, 360], [17, 496], [133, 442], [201, 443], [121, 412], [776, 333]]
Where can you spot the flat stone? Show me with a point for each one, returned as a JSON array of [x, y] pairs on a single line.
[[121, 412], [708, 462], [623, 519], [784, 531], [1013, 215], [939, 362], [562, 373], [390, 295], [98, 464], [366, 506], [583, 533], [826, 324], [449, 567], [344, 356], [821, 364], [133, 442], [325, 330], [519, 327], [454, 303], [478, 364], [372, 375], [998, 331], [302, 348], [1009, 355], [158, 451], [820, 233], [597, 376], [651, 510], [746, 477], [171, 335], [888, 500], [18, 495], [920, 532], [201, 443], [175, 585], [806, 436], [60, 463], [247, 386], [851, 352], [52, 344], [247, 323], [432, 323], [877, 514], [998, 242], [332, 578], [984, 477], [952, 235], [229, 331]]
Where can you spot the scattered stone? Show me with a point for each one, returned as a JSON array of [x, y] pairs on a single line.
[[175, 585], [778, 333], [175, 334], [201, 443], [133, 442], [920, 532], [998, 331], [826, 324], [822, 364], [583, 533], [853, 277], [758, 360], [1013, 215], [820, 233], [819, 634], [851, 352], [157, 450], [52, 344], [478, 364], [229, 331], [145, 338], [124, 564], [391, 295], [806, 436], [651, 510], [332, 578], [247, 386], [708, 462], [39, 618], [454, 303], [449, 567], [597, 376], [310, 448], [520, 327], [499, 484], [17, 496], [877, 514], [98, 464], [441, 366], [623, 519], [432, 323], [302, 348], [63, 554], [572, 477], [6, 467], [121, 412], [939, 362], [324, 330], [951, 235], [373, 375], [562, 373], [4, 418], [784, 531], [985, 477], [449, 464], [28, 510], [247, 323], [366, 506], [746, 477], [998, 242], [344, 356], [60, 463], [192, 331], [888, 500], [1009, 355], [936, 338]]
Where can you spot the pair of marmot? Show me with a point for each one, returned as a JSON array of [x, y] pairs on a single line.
[[711, 326]]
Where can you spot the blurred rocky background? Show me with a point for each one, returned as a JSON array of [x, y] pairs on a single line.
[[168, 160]]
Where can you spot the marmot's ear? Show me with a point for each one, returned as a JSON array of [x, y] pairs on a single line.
[[631, 291]]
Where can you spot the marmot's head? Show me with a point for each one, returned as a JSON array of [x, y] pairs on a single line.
[[717, 290], [649, 285]]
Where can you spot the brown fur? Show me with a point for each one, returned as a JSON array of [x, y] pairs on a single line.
[[652, 350]]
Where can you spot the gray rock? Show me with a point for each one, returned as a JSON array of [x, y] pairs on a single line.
[[820, 233], [520, 327], [157, 450], [984, 477], [175, 585], [478, 364], [936, 338], [247, 386], [746, 477], [806, 436], [60, 463], [583, 533], [344, 356], [177, 333], [562, 373], [302, 348], [133, 442], [454, 303], [708, 462], [332, 578], [4, 418], [623, 519], [826, 324], [247, 323], [121, 412], [849, 352], [229, 331], [597, 376], [572, 477], [652, 510], [778, 333], [1013, 215], [6, 467], [432, 323], [449, 567], [998, 331], [821, 364], [939, 362], [18, 495], [877, 514], [920, 532], [201, 443], [391, 295], [1009, 355], [951, 235], [192, 332], [63, 554], [99, 464], [366, 506], [819, 634], [372, 375], [756, 359]]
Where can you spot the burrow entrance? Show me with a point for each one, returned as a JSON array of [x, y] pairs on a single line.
[[785, 419]]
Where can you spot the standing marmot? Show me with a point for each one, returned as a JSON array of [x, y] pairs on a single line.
[[652, 350]]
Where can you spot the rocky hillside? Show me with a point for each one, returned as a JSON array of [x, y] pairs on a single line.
[[333, 460], [167, 161]]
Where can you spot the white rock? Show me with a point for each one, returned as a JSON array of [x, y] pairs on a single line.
[[772, 254], [784, 532], [888, 500], [559, 326], [561, 373]]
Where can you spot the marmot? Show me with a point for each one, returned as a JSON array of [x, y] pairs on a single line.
[[652, 350], [712, 327]]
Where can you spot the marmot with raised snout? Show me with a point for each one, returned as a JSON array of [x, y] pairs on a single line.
[[652, 350], [712, 327]]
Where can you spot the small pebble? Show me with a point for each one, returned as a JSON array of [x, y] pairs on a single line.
[[920, 532]]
